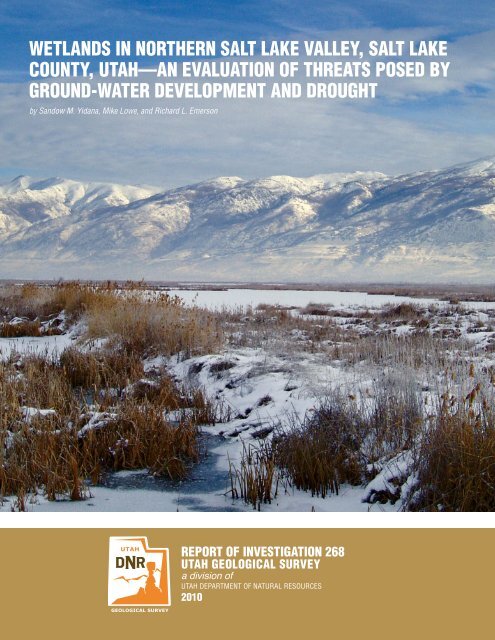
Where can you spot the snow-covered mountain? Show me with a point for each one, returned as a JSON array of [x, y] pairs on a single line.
[[437, 225]]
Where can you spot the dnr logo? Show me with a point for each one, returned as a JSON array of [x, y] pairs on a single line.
[[137, 574]]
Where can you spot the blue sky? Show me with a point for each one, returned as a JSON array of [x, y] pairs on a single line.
[[21, 20], [411, 126]]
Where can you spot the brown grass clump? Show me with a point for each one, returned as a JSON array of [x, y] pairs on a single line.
[[47, 403], [10, 406], [20, 329], [456, 460], [104, 368], [343, 439], [412, 352], [138, 436], [75, 298], [340, 442], [256, 479], [40, 302], [392, 421], [43, 385], [139, 321], [55, 454], [50, 455], [314, 309], [404, 311], [162, 325], [43, 454], [323, 452], [51, 441], [38, 423]]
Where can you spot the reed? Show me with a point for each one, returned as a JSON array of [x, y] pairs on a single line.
[[456, 458], [255, 479]]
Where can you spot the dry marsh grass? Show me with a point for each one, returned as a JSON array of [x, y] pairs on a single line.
[[69, 420], [20, 329], [41, 384], [323, 452], [345, 442], [159, 326], [315, 309], [138, 436], [36, 302], [278, 330], [43, 455], [255, 480], [456, 458], [101, 368], [139, 322], [47, 403], [50, 449], [391, 420], [338, 443], [413, 352], [403, 311], [52, 441]]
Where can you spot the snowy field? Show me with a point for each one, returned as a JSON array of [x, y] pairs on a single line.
[[293, 388], [252, 298], [268, 385], [232, 298]]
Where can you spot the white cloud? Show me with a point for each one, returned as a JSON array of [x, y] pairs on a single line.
[[246, 138], [399, 132]]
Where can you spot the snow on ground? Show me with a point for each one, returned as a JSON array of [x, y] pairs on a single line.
[[259, 391], [156, 499], [232, 298], [47, 346], [256, 389], [253, 297]]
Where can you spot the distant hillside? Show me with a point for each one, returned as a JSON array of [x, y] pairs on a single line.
[[437, 225]]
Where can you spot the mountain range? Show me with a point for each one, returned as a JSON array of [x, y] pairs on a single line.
[[420, 227]]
